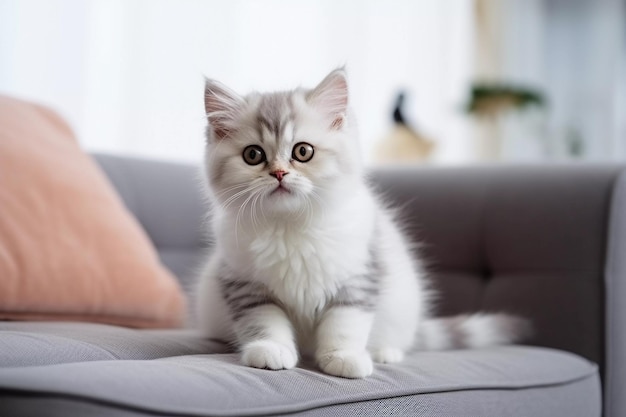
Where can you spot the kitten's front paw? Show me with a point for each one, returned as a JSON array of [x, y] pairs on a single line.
[[267, 354], [346, 363], [387, 355]]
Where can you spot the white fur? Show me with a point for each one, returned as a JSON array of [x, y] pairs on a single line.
[[305, 246], [342, 336], [433, 336], [278, 350]]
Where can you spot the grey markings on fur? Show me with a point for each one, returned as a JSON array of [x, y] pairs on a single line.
[[255, 332], [243, 296], [275, 111], [366, 288], [458, 335]]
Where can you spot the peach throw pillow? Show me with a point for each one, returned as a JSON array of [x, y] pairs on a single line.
[[69, 249]]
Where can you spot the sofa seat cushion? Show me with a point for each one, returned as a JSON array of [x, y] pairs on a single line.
[[48, 343], [499, 381]]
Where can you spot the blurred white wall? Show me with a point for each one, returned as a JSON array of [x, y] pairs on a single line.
[[586, 55], [574, 52], [128, 74]]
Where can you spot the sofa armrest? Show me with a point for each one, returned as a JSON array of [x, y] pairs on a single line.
[[615, 373]]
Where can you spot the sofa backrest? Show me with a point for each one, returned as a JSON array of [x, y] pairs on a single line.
[[544, 241], [525, 240], [166, 199]]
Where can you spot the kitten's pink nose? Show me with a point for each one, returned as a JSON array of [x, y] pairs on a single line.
[[279, 174]]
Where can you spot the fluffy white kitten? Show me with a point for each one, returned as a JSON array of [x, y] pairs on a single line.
[[307, 261]]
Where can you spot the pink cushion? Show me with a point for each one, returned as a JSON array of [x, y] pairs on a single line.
[[69, 249]]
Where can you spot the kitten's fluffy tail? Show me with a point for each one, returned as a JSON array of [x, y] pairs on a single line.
[[472, 331]]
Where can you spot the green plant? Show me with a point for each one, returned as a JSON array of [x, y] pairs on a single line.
[[488, 99]]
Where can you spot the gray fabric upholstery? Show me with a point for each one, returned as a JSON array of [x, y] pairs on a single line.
[[527, 240], [524, 240], [502, 381], [41, 343], [616, 305]]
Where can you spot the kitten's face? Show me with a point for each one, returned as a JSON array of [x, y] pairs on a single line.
[[280, 153]]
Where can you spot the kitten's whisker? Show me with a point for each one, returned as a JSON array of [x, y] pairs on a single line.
[[255, 219], [232, 198], [318, 199], [252, 189], [226, 194], [239, 212], [231, 188], [309, 210], [300, 212]]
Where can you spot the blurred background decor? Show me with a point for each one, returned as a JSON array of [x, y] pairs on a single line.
[[404, 143], [493, 105], [128, 74], [574, 54]]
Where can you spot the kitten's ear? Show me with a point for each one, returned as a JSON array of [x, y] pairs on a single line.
[[331, 97], [222, 106]]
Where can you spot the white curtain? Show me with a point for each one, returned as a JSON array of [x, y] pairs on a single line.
[[128, 74], [574, 51]]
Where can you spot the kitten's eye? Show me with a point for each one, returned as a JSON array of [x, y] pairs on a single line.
[[302, 152], [254, 155]]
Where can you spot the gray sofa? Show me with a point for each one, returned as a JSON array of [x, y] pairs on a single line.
[[545, 242]]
